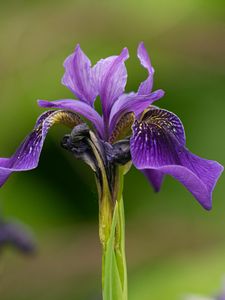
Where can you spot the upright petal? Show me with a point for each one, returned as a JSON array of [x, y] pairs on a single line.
[[78, 107], [158, 143], [146, 86], [27, 155], [132, 103], [78, 76], [110, 76]]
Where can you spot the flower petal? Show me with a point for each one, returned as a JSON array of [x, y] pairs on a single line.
[[158, 143], [78, 76], [27, 155], [110, 76], [78, 107], [146, 86], [155, 177], [132, 103]]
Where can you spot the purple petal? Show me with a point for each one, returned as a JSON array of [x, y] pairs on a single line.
[[155, 177], [16, 235], [158, 143], [110, 79], [79, 107], [132, 103], [78, 76], [146, 86], [27, 155]]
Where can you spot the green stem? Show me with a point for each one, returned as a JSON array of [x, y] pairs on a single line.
[[114, 272], [111, 224]]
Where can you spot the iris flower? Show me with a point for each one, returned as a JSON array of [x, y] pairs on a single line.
[[129, 130], [156, 136]]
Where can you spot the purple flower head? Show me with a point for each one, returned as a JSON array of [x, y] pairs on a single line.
[[157, 144]]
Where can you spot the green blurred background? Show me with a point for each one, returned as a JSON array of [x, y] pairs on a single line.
[[173, 246]]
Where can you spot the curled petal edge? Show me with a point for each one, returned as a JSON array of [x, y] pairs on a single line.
[[27, 155], [146, 86], [79, 107], [192, 182], [158, 143]]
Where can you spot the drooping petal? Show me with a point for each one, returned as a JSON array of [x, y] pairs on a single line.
[[78, 107], [146, 86], [155, 177], [132, 103], [158, 143], [27, 155], [110, 77], [78, 76]]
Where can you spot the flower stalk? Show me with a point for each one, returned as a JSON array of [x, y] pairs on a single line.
[[109, 163], [112, 237]]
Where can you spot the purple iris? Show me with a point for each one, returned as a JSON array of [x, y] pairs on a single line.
[[157, 139]]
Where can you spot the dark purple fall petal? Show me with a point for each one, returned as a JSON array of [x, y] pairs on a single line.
[[145, 87], [158, 143], [132, 103], [78, 76], [110, 76], [27, 155], [78, 107], [155, 177]]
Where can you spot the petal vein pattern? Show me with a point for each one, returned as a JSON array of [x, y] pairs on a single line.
[[158, 143], [110, 76], [78, 76]]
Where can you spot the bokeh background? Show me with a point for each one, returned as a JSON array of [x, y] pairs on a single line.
[[174, 247]]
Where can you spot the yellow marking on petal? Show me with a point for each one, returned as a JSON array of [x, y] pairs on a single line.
[[63, 117], [145, 111], [159, 118], [67, 118], [122, 128]]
